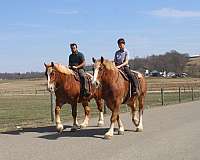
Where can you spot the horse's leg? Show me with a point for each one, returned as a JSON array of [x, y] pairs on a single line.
[[99, 103], [87, 113], [74, 114], [59, 126], [115, 113], [139, 128], [121, 126], [135, 118]]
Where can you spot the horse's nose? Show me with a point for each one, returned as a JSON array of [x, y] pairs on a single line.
[[95, 83], [50, 88]]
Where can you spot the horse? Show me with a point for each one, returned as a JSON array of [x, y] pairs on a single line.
[[65, 84], [115, 89]]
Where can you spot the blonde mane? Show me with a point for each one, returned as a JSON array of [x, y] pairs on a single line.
[[110, 65], [63, 69]]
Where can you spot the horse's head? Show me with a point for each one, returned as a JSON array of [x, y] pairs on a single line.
[[51, 76], [101, 67]]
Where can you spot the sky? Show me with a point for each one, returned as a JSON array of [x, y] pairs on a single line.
[[36, 31]]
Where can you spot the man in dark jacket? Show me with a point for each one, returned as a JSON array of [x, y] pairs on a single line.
[[77, 63]]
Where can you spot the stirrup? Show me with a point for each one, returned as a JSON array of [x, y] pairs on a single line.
[[137, 92], [85, 93], [134, 93]]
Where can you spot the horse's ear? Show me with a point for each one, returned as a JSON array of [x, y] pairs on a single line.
[[102, 59], [93, 60], [45, 65], [52, 64]]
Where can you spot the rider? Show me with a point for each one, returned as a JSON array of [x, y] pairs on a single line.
[[121, 61], [77, 63]]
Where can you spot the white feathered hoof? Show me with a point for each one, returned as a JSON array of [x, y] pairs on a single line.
[[83, 125], [139, 129], [120, 132], [107, 137], [100, 124], [59, 128]]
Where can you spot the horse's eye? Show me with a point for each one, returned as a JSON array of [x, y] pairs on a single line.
[[52, 74]]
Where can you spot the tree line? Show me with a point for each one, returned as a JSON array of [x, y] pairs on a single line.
[[172, 61], [27, 75]]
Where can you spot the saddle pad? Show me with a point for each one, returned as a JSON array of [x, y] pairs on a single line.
[[138, 74]]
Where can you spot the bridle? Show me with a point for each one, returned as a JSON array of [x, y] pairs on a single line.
[[102, 69], [53, 70]]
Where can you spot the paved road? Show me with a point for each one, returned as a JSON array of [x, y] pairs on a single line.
[[170, 133]]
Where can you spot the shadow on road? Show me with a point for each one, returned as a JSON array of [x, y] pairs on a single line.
[[51, 133], [34, 130], [94, 132]]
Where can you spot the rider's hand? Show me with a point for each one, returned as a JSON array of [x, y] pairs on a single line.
[[74, 67], [119, 67]]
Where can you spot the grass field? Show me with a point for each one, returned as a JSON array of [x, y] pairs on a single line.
[[26, 103]]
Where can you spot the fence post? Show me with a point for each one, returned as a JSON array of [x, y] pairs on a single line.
[[199, 93], [104, 109], [179, 94], [192, 94], [162, 96], [53, 105]]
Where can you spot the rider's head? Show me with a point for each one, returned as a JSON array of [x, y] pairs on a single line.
[[121, 43], [73, 47]]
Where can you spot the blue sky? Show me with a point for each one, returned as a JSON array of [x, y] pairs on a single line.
[[36, 31]]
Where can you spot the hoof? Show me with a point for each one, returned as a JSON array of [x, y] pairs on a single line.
[[83, 126], [108, 137], [120, 132], [100, 124], [139, 129], [73, 129], [59, 128]]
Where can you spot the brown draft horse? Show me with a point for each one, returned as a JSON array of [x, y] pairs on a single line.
[[114, 91], [63, 82]]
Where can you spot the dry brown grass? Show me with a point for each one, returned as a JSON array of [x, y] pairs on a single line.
[[154, 84], [21, 105]]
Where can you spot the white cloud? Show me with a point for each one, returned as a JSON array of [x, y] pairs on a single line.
[[174, 13], [64, 12]]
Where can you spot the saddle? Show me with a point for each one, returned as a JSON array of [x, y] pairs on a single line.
[[88, 78], [76, 75], [137, 76]]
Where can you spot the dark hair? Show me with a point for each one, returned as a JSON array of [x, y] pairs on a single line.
[[73, 44], [121, 40]]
